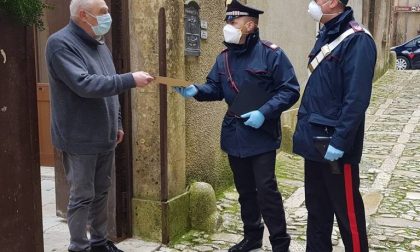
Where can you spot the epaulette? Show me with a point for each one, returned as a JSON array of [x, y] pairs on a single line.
[[356, 26], [270, 45]]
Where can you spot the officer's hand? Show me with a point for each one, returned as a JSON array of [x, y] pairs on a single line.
[[256, 119], [333, 154], [142, 79], [187, 92]]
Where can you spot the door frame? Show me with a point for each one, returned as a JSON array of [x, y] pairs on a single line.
[[124, 160]]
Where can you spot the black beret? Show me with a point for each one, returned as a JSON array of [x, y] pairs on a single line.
[[237, 9]]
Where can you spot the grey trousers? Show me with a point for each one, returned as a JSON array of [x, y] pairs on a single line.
[[89, 177]]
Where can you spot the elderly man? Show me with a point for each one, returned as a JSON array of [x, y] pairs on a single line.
[[330, 129], [246, 67], [86, 123]]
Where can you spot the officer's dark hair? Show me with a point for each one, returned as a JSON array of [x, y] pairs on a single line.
[[253, 19]]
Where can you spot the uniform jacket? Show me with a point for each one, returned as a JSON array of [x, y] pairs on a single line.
[[338, 92], [255, 63]]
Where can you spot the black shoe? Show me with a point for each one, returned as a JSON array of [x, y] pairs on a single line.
[[246, 245], [108, 247]]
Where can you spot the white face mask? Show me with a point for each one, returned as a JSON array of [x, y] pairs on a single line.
[[104, 24], [232, 34], [315, 10]]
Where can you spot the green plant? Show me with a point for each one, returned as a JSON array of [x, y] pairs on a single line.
[[27, 12]]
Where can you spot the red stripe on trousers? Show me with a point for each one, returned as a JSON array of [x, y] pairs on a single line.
[[350, 208]]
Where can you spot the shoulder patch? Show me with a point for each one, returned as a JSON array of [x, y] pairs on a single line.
[[356, 26], [270, 44]]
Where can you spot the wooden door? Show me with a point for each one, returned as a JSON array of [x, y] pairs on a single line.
[[54, 20], [46, 148]]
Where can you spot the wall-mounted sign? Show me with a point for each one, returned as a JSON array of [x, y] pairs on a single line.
[[407, 8], [204, 25], [204, 34], [192, 29]]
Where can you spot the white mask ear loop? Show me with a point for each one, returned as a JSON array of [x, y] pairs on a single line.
[[90, 14]]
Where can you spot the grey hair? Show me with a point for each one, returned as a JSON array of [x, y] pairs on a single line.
[[75, 6]]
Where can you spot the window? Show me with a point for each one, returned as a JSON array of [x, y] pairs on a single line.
[[412, 43], [417, 42]]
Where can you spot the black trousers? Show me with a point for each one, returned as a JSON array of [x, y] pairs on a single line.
[[327, 194], [256, 184]]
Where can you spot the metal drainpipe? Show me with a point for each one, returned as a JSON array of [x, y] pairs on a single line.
[[163, 104]]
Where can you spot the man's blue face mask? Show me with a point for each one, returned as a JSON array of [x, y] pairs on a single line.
[[104, 24]]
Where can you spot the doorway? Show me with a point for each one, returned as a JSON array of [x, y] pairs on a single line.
[[120, 224]]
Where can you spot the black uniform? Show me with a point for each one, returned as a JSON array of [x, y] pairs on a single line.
[[252, 152], [334, 105]]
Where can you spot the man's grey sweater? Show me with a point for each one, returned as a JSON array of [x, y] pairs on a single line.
[[84, 92]]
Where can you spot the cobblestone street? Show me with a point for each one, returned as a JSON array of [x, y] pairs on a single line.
[[390, 179]]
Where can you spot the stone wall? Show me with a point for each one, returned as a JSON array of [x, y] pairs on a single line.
[[204, 159], [144, 53], [193, 128], [194, 131], [147, 204]]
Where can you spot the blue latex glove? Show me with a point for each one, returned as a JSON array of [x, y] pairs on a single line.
[[333, 154], [187, 92], [256, 119]]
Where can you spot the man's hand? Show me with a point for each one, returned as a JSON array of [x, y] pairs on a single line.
[[120, 136], [333, 154], [187, 92], [256, 119], [142, 79]]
